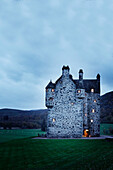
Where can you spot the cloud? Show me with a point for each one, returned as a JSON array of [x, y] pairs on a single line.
[[38, 37]]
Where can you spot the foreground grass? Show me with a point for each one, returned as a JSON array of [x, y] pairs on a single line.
[[7, 135], [18, 151], [56, 154]]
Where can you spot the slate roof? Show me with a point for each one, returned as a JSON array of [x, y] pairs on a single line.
[[88, 84], [50, 85]]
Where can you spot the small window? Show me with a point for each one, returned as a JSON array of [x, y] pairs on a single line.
[[95, 101], [53, 120], [72, 103], [78, 91], [92, 90], [46, 90], [93, 110], [86, 114], [91, 120], [51, 99], [53, 90], [60, 82]]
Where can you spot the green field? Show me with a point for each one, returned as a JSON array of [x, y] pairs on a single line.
[[104, 129], [19, 151], [7, 135]]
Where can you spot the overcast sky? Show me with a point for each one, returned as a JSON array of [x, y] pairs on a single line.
[[38, 37]]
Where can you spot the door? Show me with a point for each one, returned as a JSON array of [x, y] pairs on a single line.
[[86, 133]]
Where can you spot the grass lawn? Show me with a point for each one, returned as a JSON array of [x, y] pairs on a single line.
[[104, 129], [24, 153], [7, 135]]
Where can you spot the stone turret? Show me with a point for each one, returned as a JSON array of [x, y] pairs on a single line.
[[50, 92]]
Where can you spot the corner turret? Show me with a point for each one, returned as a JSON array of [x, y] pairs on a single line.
[[50, 92]]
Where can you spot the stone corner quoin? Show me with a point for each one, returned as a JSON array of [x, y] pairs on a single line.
[[73, 106]]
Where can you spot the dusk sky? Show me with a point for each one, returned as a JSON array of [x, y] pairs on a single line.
[[38, 37]]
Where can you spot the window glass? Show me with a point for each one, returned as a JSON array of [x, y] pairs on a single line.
[[78, 91], [92, 90], [53, 119], [93, 110]]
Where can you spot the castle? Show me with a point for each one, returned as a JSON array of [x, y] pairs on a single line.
[[73, 106]]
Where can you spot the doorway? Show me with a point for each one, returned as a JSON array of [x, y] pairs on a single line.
[[86, 133]]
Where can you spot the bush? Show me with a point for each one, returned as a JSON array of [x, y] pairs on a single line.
[[111, 130]]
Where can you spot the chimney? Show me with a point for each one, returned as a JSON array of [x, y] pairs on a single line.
[[65, 71], [81, 86]]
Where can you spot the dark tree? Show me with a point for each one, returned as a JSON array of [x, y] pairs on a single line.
[[44, 125]]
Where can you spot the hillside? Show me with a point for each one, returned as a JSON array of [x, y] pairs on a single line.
[[22, 118], [106, 105], [35, 118]]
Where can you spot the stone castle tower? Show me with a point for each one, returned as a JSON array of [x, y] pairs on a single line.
[[73, 106]]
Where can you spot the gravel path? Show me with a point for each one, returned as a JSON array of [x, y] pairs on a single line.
[[101, 137]]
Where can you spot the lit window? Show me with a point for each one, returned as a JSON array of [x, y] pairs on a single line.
[[86, 114], [92, 90], [91, 120], [93, 110], [72, 103], [53, 120], [95, 101], [78, 91], [53, 90]]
